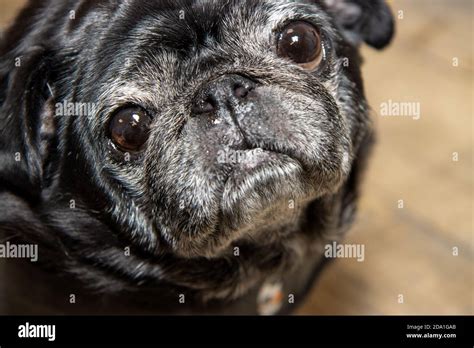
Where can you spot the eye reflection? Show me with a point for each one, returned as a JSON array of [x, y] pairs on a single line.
[[301, 43]]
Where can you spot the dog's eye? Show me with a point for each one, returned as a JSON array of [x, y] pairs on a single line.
[[301, 43], [129, 128]]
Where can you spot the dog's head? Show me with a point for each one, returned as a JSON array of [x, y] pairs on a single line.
[[184, 129]]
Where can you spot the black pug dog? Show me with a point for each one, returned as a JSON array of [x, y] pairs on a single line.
[[183, 156]]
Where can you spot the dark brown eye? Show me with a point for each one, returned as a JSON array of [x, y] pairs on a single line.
[[129, 128], [301, 42]]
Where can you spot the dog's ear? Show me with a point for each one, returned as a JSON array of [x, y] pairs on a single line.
[[26, 121], [369, 21]]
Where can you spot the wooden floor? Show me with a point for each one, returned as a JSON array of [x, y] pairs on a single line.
[[425, 164]]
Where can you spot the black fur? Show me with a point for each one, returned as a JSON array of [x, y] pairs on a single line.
[[62, 185]]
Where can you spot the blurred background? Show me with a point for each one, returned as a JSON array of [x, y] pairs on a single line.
[[416, 211]]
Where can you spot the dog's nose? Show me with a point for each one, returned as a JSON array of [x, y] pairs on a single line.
[[223, 94]]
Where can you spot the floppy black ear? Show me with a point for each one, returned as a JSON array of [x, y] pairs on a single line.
[[370, 21], [25, 121]]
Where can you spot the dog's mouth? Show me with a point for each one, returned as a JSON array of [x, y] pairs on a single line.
[[249, 161], [252, 163], [260, 181]]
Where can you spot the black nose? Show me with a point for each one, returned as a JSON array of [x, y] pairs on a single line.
[[223, 93]]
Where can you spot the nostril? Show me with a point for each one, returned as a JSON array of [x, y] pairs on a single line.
[[241, 91], [204, 106]]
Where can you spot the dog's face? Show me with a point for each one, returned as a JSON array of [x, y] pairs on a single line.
[[197, 126]]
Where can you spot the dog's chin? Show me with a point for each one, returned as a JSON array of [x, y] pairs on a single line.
[[263, 192], [254, 187]]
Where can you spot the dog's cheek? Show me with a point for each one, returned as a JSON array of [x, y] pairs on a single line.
[[182, 187], [307, 127]]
